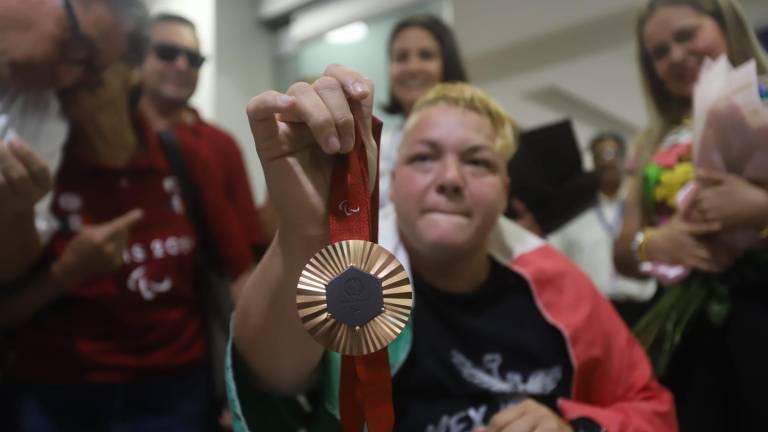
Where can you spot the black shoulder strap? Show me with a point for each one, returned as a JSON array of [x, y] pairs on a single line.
[[191, 198]]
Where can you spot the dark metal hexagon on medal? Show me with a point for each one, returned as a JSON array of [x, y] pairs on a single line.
[[354, 297]]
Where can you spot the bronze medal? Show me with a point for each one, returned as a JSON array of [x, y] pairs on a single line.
[[354, 297]]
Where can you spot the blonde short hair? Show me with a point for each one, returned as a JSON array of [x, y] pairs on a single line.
[[469, 97]]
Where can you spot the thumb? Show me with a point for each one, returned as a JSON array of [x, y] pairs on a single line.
[[126, 221], [704, 228], [710, 177]]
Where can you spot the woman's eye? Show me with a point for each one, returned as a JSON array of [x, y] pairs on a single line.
[[401, 56], [659, 53], [427, 54], [686, 34], [481, 163], [420, 157]]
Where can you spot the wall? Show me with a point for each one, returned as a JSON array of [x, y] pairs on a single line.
[[575, 60], [243, 69]]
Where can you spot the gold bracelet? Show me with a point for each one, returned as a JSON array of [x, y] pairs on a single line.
[[642, 250]]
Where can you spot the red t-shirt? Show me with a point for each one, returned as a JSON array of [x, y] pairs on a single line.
[[209, 149], [144, 318]]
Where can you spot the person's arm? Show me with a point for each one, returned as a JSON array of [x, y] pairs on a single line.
[[95, 250], [295, 135], [269, 219], [623, 256], [22, 300], [677, 242], [267, 331], [20, 245], [24, 179]]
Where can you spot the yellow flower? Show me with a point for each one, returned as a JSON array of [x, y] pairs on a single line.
[[671, 181]]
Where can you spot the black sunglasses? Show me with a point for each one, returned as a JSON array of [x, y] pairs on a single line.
[[80, 48], [169, 53]]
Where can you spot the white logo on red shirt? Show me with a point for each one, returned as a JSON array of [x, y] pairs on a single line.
[[138, 253], [138, 281]]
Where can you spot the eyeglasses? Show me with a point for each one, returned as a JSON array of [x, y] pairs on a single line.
[[169, 53], [81, 49]]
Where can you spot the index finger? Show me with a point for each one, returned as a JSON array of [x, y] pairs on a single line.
[[360, 91], [355, 85], [261, 114], [703, 228], [710, 177], [125, 222], [36, 167]]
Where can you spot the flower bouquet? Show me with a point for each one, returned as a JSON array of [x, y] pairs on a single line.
[[729, 134]]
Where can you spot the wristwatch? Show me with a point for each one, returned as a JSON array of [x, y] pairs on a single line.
[[586, 424]]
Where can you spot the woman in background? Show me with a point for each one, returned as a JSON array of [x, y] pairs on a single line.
[[718, 372], [422, 52]]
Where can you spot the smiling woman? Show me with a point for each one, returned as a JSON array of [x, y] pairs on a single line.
[[700, 332], [422, 52]]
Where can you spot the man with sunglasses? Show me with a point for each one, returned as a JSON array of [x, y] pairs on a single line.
[[170, 72], [47, 46], [169, 76]]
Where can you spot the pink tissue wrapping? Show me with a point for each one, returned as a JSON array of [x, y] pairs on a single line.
[[730, 135]]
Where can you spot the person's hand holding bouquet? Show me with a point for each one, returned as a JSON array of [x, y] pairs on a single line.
[[730, 164]]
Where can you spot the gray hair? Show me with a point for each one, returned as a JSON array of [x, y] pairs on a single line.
[[133, 17]]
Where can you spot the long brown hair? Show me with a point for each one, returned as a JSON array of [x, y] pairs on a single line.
[[453, 67], [665, 110]]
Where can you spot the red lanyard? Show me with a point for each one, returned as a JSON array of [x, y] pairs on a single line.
[[366, 383]]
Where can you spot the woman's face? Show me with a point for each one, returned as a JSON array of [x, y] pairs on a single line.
[[676, 39], [415, 65], [449, 185]]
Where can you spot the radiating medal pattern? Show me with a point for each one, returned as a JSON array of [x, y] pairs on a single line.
[[354, 297]]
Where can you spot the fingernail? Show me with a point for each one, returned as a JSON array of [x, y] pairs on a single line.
[[334, 145], [285, 100], [359, 87], [347, 145]]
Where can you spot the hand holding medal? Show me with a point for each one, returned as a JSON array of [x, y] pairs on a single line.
[[317, 148]]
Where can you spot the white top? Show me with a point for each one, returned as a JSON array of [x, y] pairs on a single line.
[[588, 241], [390, 144], [36, 118]]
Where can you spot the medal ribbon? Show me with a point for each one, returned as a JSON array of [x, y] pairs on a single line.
[[366, 383]]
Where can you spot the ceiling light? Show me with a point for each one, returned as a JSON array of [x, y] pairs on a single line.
[[348, 34]]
